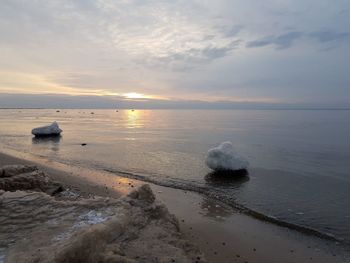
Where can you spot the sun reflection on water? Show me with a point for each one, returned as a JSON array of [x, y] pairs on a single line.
[[133, 119]]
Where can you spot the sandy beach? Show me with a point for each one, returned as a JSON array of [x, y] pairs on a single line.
[[220, 232]]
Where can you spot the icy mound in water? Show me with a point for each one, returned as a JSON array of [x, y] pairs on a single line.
[[38, 227], [49, 130], [225, 158]]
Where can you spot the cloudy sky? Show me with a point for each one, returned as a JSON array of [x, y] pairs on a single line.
[[240, 51]]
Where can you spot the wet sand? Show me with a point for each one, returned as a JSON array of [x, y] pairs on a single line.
[[223, 234]]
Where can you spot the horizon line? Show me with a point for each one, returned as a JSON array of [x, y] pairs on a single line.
[[136, 108]]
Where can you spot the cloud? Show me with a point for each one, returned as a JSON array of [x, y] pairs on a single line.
[[211, 53], [330, 36], [195, 56], [286, 40], [177, 48], [283, 41], [233, 30]]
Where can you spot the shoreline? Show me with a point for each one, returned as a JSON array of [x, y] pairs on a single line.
[[138, 179], [202, 218], [242, 209]]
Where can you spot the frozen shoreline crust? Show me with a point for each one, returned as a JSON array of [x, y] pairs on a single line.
[[39, 227], [225, 158]]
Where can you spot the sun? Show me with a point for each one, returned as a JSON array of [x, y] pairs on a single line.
[[135, 95]]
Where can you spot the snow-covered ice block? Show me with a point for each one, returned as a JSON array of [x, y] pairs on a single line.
[[225, 158], [49, 130]]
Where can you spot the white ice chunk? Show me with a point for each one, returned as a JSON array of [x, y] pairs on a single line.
[[224, 158], [52, 129]]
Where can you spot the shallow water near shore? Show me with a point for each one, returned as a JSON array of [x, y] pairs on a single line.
[[299, 159]]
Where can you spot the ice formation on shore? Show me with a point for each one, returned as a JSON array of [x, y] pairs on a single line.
[[49, 130], [225, 158], [38, 225]]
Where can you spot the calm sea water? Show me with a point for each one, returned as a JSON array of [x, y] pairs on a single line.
[[300, 160]]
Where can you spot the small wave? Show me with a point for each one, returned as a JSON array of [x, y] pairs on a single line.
[[220, 195]]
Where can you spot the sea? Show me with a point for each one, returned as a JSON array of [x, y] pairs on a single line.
[[299, 174]]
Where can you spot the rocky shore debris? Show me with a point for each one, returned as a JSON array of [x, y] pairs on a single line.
[[49, 130], [224, 158]]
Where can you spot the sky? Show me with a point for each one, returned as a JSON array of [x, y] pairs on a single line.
[[172, 53]]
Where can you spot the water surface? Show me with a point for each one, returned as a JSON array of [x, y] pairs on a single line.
[[299, 159]]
